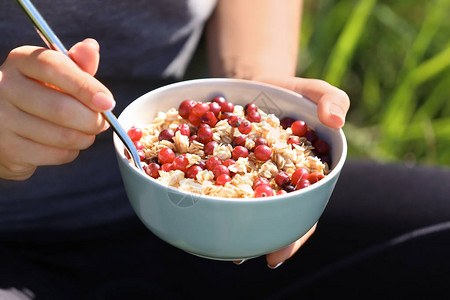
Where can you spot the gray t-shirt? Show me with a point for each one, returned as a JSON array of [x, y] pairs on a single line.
[[143, 43]]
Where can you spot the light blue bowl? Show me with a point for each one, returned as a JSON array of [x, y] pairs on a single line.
[[223, 228]]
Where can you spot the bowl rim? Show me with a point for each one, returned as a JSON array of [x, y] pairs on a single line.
[[333, 173]]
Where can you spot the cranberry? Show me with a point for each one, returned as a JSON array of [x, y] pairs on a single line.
[[204, 134], [251, 107], [299, 174], [212, 162], [315, 176], [166, 155], [209, 118], [219, 170], [200, 109], [282, 179], [302, 183], [228, 162], [245, 127], [293, 140], [184, 129], [281, 192], [219, 100], [260, 141], [263, 152], [209, 147], [223, 179], [152, 170], [254, 117], [141, 154], [311, 136], [226, 115], [286, 122], [239, 151], [194, 119], [192, 171], [167, 167], [234, 121], [180, 163], [227, 107], [321, 147], [166, 134], [263, 191], [138, 145], [185, 108], [215, 108], [202, 164], [193, 138], [299, 128], [260, 181], [134, 133], [240, 139]]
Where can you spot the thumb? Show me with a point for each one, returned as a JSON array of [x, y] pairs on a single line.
[[86, 55]]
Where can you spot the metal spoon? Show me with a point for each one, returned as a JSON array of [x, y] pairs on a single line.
[[54, 43]]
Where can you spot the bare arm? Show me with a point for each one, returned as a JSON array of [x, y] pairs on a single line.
[[253, 38]]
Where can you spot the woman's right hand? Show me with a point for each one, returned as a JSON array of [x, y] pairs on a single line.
[[50, 107]]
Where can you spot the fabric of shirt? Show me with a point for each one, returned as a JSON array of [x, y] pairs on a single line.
[[144, 43]]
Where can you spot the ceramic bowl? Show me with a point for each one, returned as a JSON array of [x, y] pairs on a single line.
[[224, 228]]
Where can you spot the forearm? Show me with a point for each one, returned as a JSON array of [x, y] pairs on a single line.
[[252, 38]]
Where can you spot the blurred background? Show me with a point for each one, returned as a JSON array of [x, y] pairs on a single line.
[[392, 57]]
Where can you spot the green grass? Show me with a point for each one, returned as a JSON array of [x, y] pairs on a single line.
[[393, 59]]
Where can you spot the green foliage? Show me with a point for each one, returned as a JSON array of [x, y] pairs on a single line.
[[393, 60]]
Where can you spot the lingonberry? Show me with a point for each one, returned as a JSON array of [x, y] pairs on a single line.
[[263, 191], [219, 170], [204, 134], [227, 107], [185, 108], [209, 147], [223, 179], [184, 129], [166, 155], [299, 128], [239, 140], [263, 153], [286, 122], [321, 147], [299, 174], [254, 117], [200, 109], [166, 134], [302, 183], [260, 181], [192, 171], [180, 163], [135, 133], [239, 151], [152, 170], [282, 179], [245, 127], [212, 162]]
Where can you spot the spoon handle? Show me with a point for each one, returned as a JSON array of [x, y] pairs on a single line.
[[54, 43]]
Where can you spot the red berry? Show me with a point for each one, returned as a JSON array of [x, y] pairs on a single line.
[[239, 151], [263, 152], [299, 174], [251, 107], [209, 118], [202, 164], [204, 134], [240, 139], [228, 162], [134, 133], [227, 107], [219, 100], [302, 183], [184, 129], [194, 119], [321, 147], [138, 145], [234, 121], [219, 170], [223, 179], [166, 155], [260, 141], [282, 179], [215, 108], [166, 134], [293, 140], [263, 191], [245, 127], [281, 192], [209, 147], [192, 171], [226, 115], [193, 138], [141, 154], [212, 162], [315, 176], [200, 109], [180, 163], [260, 181], [299, 128], [254, 117], [167, 167], [311, 136], [286, 122], [185, 108], [152, 170]]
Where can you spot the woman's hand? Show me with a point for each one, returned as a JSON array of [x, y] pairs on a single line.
[[50, 107], [332, 106]]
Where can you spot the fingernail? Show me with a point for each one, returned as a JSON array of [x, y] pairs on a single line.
[[103, 101], [239, 262], [93, 42], [276, 266], [337, 111]]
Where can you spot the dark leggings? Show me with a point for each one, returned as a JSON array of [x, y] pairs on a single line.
[[385, 233]]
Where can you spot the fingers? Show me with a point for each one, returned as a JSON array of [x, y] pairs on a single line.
[[332, 103], [86, 55], [277, 258], [57, 70]]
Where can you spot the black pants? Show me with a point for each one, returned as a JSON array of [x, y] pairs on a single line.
[[385, 233]]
